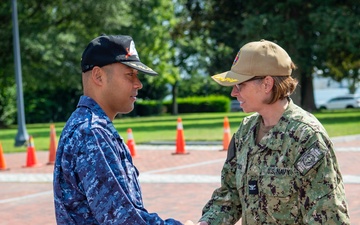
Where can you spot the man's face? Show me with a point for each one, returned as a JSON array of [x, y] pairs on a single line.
[[120, 89]]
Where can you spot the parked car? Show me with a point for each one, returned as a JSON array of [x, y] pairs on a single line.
[[342, 102], [235, 106]]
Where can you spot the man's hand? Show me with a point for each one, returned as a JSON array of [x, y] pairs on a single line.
[[189, 222]]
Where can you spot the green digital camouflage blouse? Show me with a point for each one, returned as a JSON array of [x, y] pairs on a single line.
[[290, 177]]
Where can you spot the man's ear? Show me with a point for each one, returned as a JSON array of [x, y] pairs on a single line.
[[97, 75]]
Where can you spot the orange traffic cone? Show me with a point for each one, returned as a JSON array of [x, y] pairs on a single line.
[[180, 140], [131, 143], [53, 145], [226, 138], [2, 159], [31, 160]]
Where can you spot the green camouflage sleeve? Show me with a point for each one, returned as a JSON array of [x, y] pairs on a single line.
[[224, 207], [322, 194]]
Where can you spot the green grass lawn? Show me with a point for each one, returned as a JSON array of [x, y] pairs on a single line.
[[197, 127]]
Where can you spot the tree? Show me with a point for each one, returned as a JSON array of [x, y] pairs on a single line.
[[152, 31], [53, 35], [197, 52], [339, 37], [186, 41], [229, 24], [7, 77]]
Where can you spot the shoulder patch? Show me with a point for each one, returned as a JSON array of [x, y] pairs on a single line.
[[309, 159]]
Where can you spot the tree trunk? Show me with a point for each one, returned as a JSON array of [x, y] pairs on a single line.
[[353, 81], [307, 93], [296, 96], [352, 87], [174, 104]]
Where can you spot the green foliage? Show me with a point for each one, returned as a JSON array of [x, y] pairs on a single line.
[[315, 34], [47, 105], [186, 41], [151, 28], [186, 105], [201, 86], [53, 35], [7, 75], [146, 108], [338, 38], [202, 104], [7, 105]]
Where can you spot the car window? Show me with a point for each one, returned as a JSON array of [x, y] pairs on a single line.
[[341, 99]]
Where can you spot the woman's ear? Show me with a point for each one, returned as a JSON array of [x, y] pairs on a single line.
[[268, 83]]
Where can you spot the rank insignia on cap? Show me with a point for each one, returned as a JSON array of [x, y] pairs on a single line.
[[309, 159], [227, 79]]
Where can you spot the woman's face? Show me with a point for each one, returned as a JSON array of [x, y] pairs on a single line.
[[250, 94]]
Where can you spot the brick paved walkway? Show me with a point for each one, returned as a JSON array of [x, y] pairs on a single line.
[[175, 186]]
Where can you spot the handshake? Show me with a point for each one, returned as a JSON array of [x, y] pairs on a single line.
[[189, 222]]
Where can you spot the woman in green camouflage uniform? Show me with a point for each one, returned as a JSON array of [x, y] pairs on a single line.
[[281, 166]]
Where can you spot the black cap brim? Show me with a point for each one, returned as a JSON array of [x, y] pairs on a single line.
[[140, 67]]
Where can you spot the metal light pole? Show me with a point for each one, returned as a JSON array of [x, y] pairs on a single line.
[[22, 135]]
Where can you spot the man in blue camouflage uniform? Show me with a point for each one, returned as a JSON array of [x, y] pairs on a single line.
[[95, 181], [281, 167]]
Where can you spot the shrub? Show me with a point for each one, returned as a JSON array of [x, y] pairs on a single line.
[[146, 108], [185, 105], [201, 104]]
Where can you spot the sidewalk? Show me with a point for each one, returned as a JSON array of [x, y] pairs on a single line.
[[175, 186]]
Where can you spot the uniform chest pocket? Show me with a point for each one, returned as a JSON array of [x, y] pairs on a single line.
[[278, 195], [278, 186]]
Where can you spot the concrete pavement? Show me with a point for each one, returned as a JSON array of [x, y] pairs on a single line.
[[175, 186]]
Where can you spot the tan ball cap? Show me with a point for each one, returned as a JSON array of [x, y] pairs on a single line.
[[260, 58]]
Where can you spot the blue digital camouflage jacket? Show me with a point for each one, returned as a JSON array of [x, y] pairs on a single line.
[[95, 181]]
